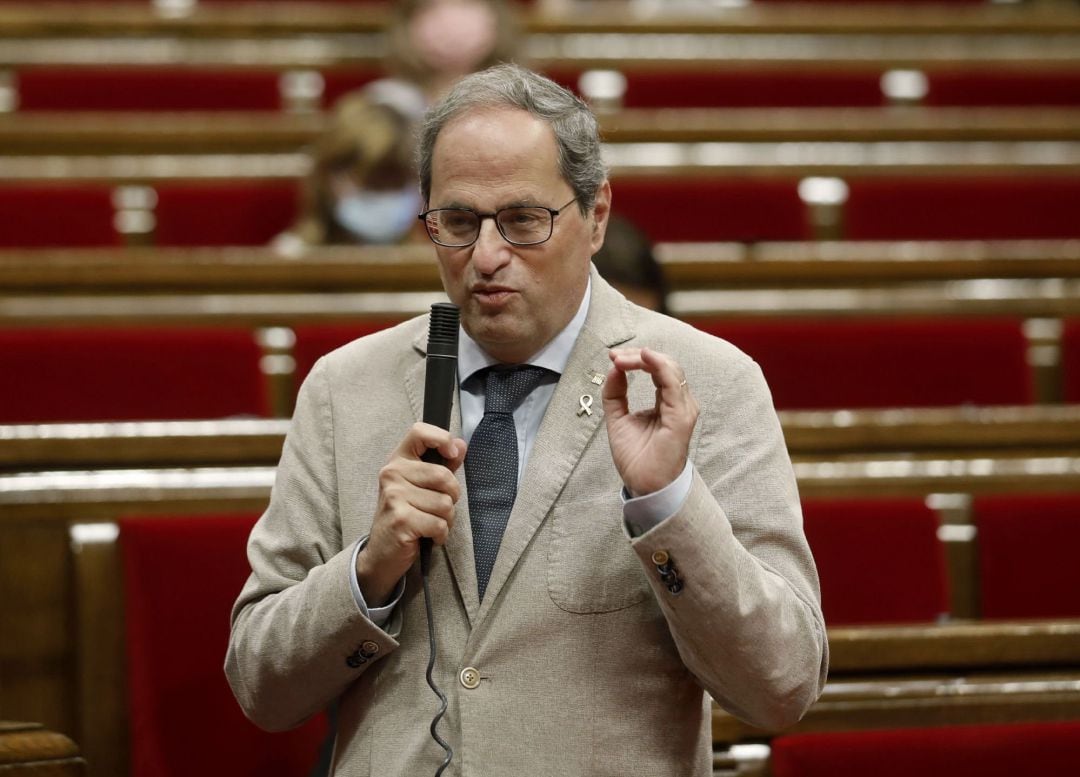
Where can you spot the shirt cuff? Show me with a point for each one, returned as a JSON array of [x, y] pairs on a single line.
[[377, 615], [642, 513]]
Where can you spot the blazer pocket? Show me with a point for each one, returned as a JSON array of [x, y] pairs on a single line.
[[591, 567]]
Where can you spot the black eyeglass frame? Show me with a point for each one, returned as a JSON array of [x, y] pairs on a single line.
[[495, 217]]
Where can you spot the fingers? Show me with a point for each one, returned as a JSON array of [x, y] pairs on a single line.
[[666, 373], [422, 437], [613, 393]]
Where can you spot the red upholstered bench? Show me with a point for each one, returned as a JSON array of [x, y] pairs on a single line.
[[54, 216], [147, 89], [879, 560], [219, 214], [999, 87], [126, 375], [156, 88], [948, 751], [1027, 555], [1070, 360], [181, 577], [970, 208], [704, 209], [868, 363], [312, 342]]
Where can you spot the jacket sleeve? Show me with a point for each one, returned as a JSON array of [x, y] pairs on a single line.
[[732, 570], [298, 636]]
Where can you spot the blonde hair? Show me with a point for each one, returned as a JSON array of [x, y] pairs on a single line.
[[363, 137]]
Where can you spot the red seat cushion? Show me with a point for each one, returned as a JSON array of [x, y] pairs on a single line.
[[1019, 88], [867, 363], [53, 216], [221, 214], [147, 89], [948, 751], [1027, 555], [125, 375], [704, 209], [972, 208], [181, 577], [1070, 360], [879, 560]]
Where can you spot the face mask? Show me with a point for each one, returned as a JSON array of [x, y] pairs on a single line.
[[379, 217]]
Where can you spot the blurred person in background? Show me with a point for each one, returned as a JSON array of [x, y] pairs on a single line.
[[627, 262], [433, 43], [361, 188]]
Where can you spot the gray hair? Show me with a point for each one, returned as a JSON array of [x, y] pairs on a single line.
[[576, 133]]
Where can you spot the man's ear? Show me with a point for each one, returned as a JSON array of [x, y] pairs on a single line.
[[600, 213]]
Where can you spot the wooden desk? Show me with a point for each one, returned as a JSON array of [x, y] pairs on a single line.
[[255, 287], [687, 266], [626, 160], [75, 132], [815, 439], [41, 19], [29, 750], [927, 700]]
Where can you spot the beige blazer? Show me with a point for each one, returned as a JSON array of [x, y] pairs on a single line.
[[580, 660]]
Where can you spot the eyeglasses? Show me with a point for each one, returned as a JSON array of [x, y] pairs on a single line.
[[520, 226]]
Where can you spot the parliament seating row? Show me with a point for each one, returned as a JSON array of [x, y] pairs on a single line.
[[669, 206], [76, 374], [127, 87], [687, 267], [114, 16], [248, 132], [677, 35]]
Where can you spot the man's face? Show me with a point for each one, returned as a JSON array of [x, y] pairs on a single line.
[[513, 299]]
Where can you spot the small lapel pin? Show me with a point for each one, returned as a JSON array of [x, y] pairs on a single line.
[[598, 379], [586, 405]]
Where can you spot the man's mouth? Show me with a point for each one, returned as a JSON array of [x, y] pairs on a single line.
[[492, 295]]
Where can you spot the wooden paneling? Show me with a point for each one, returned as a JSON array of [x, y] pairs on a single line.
[[37, 652]]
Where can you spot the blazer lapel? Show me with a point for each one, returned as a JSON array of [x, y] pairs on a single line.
[[459, 547], [564, 433]]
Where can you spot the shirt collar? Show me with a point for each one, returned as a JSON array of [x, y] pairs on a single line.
[[553, 356]]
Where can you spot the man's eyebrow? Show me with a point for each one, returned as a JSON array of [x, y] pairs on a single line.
[[527, 202]]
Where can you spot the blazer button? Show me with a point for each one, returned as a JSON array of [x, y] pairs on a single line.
[[369, 648], [660, 558], [470, 677]]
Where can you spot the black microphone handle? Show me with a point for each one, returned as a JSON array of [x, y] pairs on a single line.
[[440, 380]]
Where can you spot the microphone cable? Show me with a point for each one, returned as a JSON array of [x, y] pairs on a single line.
[[425, 565], [440, 380]]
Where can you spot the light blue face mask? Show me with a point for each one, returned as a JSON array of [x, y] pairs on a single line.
[[379, 217]]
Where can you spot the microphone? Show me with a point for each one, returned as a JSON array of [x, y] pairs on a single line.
[[440, 379]]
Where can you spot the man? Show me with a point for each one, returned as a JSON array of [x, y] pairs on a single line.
[[652, 554]]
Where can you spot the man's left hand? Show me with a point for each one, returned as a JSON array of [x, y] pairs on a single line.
[[649, 446]]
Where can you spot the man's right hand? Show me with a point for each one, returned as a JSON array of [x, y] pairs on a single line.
[[416, 499]]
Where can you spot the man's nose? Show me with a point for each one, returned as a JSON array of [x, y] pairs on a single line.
[[490, 251]]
